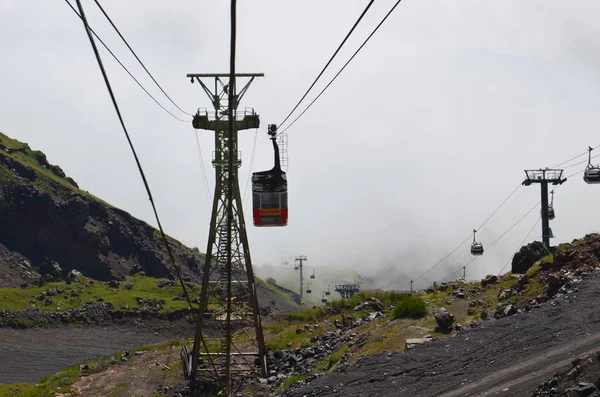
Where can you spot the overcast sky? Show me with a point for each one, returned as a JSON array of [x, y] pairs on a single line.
[[417, 142]]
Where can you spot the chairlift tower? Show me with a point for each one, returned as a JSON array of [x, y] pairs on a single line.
[[228, 299], [300, 259], [543, 177]]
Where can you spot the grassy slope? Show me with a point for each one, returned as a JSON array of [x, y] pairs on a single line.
[[18, 299], [384, 335], [25, 155]]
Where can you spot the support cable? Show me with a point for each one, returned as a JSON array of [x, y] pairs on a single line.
[[139, 165], [344, 67], [251, 165], [498, 239], [207, 191], [329, 62], [465, 240], [138, 59], [520, 245], [574, 158], [125, 68]]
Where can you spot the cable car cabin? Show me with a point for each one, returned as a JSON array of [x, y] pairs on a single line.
[[551, 214], [476, 249], [591, 175], [269, 192]]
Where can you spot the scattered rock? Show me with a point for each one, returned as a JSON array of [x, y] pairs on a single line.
[[444, 319], [490, 279], [372, 304]]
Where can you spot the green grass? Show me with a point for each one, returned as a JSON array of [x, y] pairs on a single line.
[[313, 315], [290, 381], [18, 299], [329, 363], [47, 387], [388, 298], [30, 158], [275, 289], [411, 306]]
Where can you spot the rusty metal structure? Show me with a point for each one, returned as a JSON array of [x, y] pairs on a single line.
[[228, 342]]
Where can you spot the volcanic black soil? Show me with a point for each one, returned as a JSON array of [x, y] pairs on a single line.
[[508, 357], [28, 355]]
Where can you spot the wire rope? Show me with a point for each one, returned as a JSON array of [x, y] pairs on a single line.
[[251, 165], [344, 67], [207, 191], [520, 245], [137, 161], [138, 59], [125, 68], [329, 62]]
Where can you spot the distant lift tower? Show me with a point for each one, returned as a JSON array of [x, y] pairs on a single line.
[[228, 300], [543, 177], [299, 262], [347, 290]]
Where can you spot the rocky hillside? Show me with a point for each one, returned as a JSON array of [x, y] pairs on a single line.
[[48, 227]]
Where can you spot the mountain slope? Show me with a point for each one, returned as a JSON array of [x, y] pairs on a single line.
[[49, 226]]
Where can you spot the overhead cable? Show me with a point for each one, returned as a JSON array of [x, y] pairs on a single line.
[[328, 63], [138, 59], [125, 68], [465, 240], [139, 165], [574, 158], [207, 191], [498, 239], [520, 245], [344, 67], [251, 165]]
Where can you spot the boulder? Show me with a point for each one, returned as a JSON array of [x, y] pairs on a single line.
[[444, 319], [371, 304], [490, 279], [527, 256]]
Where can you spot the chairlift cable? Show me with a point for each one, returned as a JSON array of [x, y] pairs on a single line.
[[125, 68], [138, 59], [500, 206], [574, 158], [328, 63], [520, 245], [344, 67], [498, 239], [138, 163], [466, 239]]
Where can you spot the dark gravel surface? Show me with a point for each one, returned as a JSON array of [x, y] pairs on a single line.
[[508, 357], [29, 355]]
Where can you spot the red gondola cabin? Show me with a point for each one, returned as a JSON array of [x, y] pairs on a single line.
[[269, 192]]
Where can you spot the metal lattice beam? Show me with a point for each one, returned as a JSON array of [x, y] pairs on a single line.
[[228, 299]]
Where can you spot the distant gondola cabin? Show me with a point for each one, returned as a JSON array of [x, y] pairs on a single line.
[[269, 192]]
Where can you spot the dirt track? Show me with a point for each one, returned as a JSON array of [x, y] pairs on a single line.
[[28, 355], [509, 357]]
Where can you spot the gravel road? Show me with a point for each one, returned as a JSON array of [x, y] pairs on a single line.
[[29, 355], [508, 357]]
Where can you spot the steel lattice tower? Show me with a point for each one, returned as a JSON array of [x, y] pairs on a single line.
[[228, 300]]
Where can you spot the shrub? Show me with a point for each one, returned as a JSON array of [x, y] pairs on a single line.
[[271, 281], [410, 306]]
